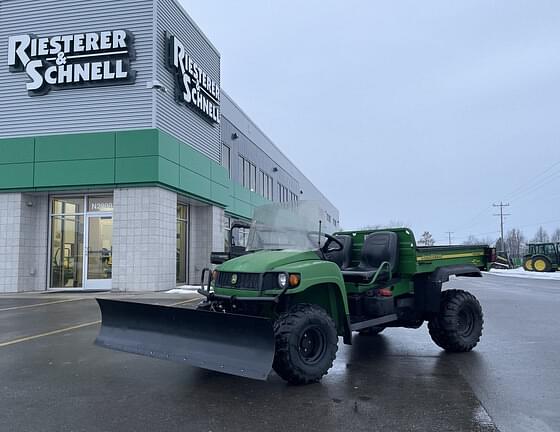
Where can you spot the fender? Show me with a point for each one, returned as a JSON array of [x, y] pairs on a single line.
[[427, 287]]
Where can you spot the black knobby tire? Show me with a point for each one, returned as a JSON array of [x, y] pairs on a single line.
[[458, 326], [306, 344], [371, 331], [541, 264]]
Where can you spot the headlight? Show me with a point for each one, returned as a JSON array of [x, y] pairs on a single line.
[[282, 280]]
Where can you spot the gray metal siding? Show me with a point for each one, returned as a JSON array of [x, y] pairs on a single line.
[[78, 109], [172, 117], [258, 148]]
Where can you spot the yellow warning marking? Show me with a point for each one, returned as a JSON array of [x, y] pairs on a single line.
[[62, 330], [185, 301], [41, 304], [448, 256]]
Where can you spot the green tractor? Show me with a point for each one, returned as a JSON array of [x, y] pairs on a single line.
[[542, 257], [284, 304]]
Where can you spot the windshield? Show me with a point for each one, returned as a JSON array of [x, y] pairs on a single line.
[[293, 225]]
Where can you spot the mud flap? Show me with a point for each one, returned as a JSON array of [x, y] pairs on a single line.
[[234, 344]]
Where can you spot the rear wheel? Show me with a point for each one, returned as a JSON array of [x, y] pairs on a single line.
[[306, 344], [528, 264], [541, 264], [371, 331], [458, 326]]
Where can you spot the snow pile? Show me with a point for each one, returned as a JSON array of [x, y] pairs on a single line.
[[183, 289], [522, 273]]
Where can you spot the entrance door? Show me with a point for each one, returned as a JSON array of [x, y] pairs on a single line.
[[98, 257]]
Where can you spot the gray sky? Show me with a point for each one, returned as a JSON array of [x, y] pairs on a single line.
[[423, 112]]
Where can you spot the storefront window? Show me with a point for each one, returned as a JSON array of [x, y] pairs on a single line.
[[81, 251], [67, 251], [67, 205], [182, 243]]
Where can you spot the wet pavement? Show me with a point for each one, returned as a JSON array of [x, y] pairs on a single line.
[[52, 377]]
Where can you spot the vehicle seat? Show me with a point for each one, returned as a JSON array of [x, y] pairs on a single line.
[[378, 247], [342, 258]]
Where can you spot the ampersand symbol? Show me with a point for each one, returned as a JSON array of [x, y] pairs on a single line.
[[60, 59]]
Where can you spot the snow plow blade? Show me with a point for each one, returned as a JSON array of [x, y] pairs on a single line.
[[234, 344]]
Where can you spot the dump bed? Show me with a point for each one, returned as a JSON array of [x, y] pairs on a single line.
[[429, 258], [415, 259]]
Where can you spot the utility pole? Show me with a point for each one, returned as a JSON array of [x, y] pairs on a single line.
[[449, 234], [502, 214]]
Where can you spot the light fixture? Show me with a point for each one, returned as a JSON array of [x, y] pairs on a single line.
[[234, 136], [274, 169]]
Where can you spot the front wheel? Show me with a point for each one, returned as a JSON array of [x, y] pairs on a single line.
[[458, 325], [528, 264], [306, 344]]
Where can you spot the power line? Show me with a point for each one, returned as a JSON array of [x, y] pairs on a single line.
[[449, 234], [502, 205]]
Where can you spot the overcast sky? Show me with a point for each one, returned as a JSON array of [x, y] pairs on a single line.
[[422, 112]]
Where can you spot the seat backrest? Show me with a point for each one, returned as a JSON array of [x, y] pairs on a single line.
[[378, 247], [342, 258]]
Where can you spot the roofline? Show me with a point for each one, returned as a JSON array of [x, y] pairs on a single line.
[[275, 146], [195, 25]]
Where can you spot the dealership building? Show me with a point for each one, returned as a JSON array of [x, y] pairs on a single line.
[[122, 161]]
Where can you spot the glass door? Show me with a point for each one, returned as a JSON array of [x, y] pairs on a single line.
[[182, 244], [99, 251]]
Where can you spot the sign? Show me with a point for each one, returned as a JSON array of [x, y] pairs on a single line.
[[74, 60], [193, 87]]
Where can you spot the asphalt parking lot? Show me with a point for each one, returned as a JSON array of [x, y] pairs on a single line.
[[54, 379]]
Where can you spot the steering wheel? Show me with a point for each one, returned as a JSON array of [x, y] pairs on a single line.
[[330, 239]]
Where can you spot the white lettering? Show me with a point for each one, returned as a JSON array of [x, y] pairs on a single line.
[[107, 74], [43, 47], [96, 71], [120, 72], [36, 78], [79, 42], [64, 74], [92, 40], [119, 39], [16, 49], [105, 40], [187, 84], [81, 72], [66, 40], [49, 78]]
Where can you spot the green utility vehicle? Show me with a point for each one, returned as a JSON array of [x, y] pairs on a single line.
[[284, 304], [542, 257]]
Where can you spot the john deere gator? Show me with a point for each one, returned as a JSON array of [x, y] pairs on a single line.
[[285, 303]]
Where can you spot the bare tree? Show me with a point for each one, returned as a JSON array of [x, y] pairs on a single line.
[[391, 224], [471, 240], [555, 237], [514, 241], [541, 236], [426, 239]]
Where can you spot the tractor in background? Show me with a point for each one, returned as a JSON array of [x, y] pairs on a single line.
[[542, 257]]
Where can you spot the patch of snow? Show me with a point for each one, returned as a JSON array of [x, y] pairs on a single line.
[[522, 273], [183, 289]]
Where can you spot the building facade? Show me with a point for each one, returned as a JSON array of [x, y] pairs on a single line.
[[122, 161]]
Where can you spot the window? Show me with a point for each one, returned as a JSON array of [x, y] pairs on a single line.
[[182, 243], [283, 193], [293, 196], [265, 185], [253, 179], [247, 174], [226, 158]]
